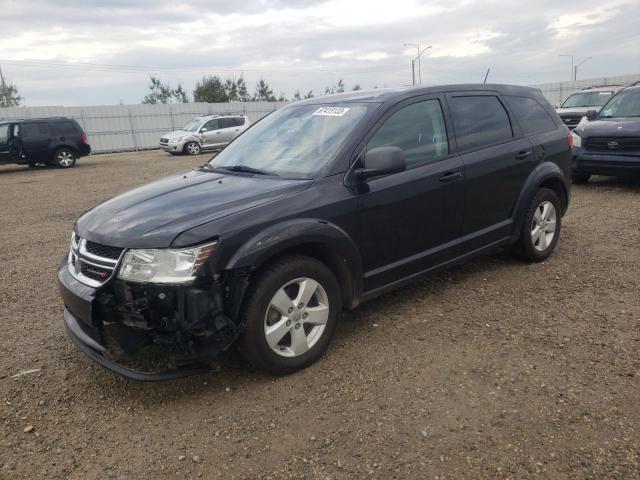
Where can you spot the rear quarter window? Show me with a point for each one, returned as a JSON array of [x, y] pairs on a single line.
[[63, 128], [480, 121], [532, 116]]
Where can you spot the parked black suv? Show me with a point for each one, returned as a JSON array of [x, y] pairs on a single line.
[[49, 141], [320, 206], [609, 142]]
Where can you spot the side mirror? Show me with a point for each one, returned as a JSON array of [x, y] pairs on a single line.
[[202, 130], [592, 115], [382, 161]]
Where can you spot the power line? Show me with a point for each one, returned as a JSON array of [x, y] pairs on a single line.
[[136, 69]]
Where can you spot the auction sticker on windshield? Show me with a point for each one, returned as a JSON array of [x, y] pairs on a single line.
[[331, 111]]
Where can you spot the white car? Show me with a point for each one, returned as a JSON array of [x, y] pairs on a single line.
[[209, 132]]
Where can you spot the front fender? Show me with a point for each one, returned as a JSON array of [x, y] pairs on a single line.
[[325, 238], [547, 173]]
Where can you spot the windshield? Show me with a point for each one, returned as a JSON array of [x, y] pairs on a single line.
[[625, 104], [193, 125], [296, 141], [587, 99]]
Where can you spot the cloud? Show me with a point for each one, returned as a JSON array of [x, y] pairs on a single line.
[[304, 44]]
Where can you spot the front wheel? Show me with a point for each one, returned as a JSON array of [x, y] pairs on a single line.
[[291, 312], [541, 228], [64, 158], [192, 148]]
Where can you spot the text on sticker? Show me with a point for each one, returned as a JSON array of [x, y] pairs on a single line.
[[331, 111]]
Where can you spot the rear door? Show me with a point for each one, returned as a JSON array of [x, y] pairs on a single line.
[[497, 158], [229, 129], [36, 141]]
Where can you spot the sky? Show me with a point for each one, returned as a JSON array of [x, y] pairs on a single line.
[[90, 52]]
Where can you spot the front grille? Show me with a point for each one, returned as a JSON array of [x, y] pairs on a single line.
[[613, 144], [571, 120], [92, 263], [103, 250]]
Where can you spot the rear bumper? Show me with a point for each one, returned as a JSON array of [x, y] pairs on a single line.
[[96, 323], [606, 164], [84, 149]]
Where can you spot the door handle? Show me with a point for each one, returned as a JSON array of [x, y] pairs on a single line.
[[218, 133], [451, 176], [523, 154]]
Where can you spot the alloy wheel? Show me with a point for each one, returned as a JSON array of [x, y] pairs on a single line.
[[296, 317], [65, 158], [543, 226], [193, 148]]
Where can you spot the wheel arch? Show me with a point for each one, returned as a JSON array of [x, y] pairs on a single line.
[[318, 239], [546, 175]]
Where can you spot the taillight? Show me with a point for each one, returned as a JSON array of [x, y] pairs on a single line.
[[84, 137]]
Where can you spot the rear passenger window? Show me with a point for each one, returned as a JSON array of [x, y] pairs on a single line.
[[238, 122], [480, 121], [532, 116], [63, 128], [32, 130], [226, 122], [418, 129]]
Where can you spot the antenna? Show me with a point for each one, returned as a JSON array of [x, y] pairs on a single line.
[[487, 75]]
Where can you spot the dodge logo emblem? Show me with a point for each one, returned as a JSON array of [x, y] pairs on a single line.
[[613, 145]]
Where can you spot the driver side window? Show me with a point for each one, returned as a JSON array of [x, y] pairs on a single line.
[[418, 129], [211, 125]]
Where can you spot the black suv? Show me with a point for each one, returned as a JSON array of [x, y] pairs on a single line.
[[49, 141], [318, 207], [609, 142]]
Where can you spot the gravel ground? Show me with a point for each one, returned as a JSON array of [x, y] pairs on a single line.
[[495, 369]]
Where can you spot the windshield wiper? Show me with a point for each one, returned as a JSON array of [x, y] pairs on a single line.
[[245, 169]]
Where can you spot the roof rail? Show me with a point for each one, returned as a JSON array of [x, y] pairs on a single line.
[[221, 114], [632, 84], [600, 86]]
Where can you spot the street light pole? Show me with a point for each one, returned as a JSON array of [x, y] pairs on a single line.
[[575, 71], [572, 69], [420, 52], [413, 72]]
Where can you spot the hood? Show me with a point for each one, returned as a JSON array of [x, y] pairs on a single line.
[[177, 133], [610, 127], [152, 215]]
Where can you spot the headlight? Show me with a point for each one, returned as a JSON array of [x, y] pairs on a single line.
[[176, 140], [164, 265], [577, 139]]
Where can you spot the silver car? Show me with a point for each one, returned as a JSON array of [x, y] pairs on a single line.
[[580, 102], [208, 132]]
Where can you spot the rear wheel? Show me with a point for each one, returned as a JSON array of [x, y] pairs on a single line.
[[541, 228], [192, 148], [291, 312], [580, 179], [64, 158]]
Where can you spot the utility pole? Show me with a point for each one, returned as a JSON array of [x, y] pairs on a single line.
[[572, 68], [413, 72], [420, 52]]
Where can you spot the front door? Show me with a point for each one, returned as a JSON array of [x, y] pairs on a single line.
[[411, 221], [8, 144], [210, 133]]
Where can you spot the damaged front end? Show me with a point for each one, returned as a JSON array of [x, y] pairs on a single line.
[[146, 331]]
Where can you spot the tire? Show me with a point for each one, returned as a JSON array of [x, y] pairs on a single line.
[[64, 158], [544, 213], [192, 148], [580, 179], [298, 336]]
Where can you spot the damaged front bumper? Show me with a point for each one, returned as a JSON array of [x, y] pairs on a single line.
[[147, 332]]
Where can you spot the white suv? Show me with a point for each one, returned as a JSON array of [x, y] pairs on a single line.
[[208, 132]]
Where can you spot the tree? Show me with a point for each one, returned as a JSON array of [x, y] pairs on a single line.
[[231, 87], [309, 94], [296, 96], [340, 87], [243, 92], [357, 87], [163, 93], [211, 89], [8, 93], [282, 97], [263, 92]]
